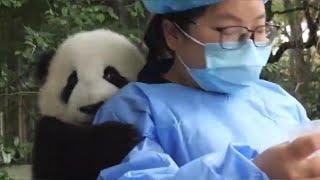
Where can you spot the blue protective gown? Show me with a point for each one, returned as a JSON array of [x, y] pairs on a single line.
[[192, 134]]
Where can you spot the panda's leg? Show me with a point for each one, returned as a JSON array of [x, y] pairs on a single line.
[[65, 151]]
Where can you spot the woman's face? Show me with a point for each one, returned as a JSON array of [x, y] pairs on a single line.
[[250, 14]]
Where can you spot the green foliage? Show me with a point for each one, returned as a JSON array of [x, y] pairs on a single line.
[[12, 154], [285, 72], [16, 152], [11, 3], [4, 175], [44, 31], [137, 10], [63, 18], [80, 16], [60, 19], [4, 75], [313, 96]]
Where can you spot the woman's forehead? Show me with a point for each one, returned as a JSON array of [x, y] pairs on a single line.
[[236, 11]]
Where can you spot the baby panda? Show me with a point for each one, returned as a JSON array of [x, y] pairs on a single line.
[[84, 72]]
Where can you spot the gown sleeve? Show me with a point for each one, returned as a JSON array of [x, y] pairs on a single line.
[[302, 113], [148, 160]]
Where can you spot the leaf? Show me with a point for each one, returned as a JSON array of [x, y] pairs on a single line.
[[63, 22], [17, 53], [7, 157], [2, 84], [112, 13], [30, 84], [96, 8], [1, 140], [6, 3], [139, 8], [100, 17], [16, 141], [134, 38], [4, 175], [64, 11]]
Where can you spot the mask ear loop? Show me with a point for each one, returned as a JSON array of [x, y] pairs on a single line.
[[189, 73], [189, 36], [182, 62], [180, 59]]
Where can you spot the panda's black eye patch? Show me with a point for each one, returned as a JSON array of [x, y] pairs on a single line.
[[67, 90], [112, 75]]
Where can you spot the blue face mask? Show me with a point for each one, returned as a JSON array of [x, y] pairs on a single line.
[[228, 71]]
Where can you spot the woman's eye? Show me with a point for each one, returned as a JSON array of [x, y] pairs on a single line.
[[231, 33], [243, 37], [262, 31]]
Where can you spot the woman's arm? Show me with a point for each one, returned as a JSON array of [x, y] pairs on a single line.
[[149, 161]]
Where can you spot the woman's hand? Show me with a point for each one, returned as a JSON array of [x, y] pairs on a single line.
[[290, 160]]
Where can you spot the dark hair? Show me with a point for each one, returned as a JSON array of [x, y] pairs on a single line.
[[160, 57]]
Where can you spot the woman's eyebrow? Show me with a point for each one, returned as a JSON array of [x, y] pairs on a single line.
[[231, 17], [228, 16], [262, 16]]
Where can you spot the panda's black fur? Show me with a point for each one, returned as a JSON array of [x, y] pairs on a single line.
[[79, 152], [64, 150]]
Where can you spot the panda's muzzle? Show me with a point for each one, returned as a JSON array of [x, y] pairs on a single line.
[[91, 109]]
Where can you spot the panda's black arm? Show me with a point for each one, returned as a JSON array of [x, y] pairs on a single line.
[[66, 151]]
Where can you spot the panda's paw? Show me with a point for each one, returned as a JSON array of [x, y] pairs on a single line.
[[111, 142], [122, 134]]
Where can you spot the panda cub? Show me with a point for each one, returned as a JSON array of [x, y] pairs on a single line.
[[85, 71]]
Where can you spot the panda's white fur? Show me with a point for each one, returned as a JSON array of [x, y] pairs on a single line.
[[88, 53]]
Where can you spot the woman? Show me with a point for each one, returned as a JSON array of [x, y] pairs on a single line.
[[207, 115]]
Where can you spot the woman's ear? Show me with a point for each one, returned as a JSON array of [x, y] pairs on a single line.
[[171, 34]]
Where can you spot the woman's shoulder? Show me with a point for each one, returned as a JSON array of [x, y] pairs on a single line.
[[137, 96], [134, 104], [274, 92], [278, 98], [159, 91], [271, 88]]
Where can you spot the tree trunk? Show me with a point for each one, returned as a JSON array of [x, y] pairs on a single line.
[[302, 64], [1, 124]]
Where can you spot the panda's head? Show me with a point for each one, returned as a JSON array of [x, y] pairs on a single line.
[[87, 69]]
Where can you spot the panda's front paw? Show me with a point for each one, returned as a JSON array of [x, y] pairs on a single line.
[[112, 141]]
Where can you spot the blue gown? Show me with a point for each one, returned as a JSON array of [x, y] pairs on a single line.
[[192, 134]]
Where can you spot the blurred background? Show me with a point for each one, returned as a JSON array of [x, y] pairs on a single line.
[[31, 27]]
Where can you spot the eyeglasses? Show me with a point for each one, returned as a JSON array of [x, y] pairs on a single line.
[[234, 37]]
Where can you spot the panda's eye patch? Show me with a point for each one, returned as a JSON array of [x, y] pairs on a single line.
[[67, 90], [112, 75]]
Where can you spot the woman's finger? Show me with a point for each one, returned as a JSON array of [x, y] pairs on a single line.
[[313, 167], [304, 146]]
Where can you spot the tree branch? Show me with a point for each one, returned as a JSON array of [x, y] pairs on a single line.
[[288, 11], [312, 40], [20, 93], [291, 10]]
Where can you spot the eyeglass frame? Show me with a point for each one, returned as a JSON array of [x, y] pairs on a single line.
[[220, 29]]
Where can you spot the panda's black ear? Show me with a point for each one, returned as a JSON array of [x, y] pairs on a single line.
[[43, 65]]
